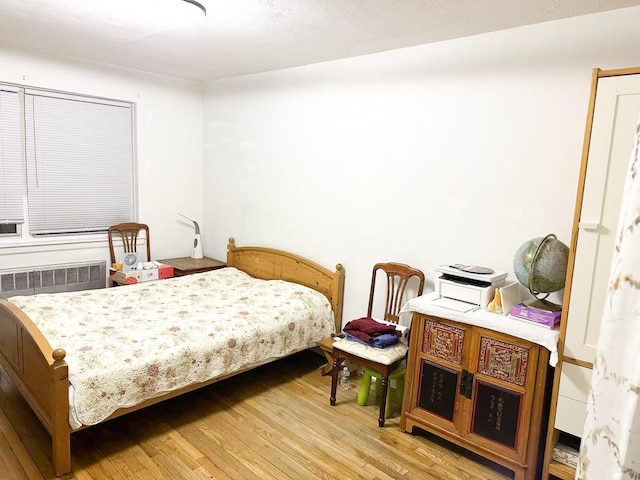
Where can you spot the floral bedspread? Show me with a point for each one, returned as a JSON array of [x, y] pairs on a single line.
[[128, 344]]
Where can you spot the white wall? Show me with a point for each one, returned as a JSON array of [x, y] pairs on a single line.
[[169, 149], [452, 152]]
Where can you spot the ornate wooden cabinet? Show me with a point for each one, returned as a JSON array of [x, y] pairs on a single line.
[[478, 388]]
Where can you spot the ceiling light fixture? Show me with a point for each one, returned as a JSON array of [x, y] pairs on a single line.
[[197, 4]]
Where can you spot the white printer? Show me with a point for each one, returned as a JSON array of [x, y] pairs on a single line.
[[467, 285]]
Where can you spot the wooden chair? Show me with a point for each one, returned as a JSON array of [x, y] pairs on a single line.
[[381, 363], [129, 232]]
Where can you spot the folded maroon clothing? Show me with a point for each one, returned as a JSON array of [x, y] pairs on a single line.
[[367, 329]]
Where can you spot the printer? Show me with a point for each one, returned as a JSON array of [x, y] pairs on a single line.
[[474, 288]]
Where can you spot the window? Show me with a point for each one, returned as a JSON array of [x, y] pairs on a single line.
[[66, 163], [11, 166]]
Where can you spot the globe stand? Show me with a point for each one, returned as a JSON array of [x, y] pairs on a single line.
[[542, 304], [539, 293]]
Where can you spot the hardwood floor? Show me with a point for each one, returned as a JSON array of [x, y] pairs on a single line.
[[274, 422]]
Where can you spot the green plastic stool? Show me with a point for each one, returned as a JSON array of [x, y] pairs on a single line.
[[365, 387]]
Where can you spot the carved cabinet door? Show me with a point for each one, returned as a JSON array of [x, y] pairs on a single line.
[[503, 369], [440, 374]]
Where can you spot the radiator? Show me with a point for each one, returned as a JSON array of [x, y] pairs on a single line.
[[53, 278]]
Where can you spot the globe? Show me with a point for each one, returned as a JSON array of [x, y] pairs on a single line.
[[540, 264]]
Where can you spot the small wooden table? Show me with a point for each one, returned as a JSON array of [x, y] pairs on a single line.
[[187, 265]]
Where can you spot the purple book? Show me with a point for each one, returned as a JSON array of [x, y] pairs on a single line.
[[535, 315]]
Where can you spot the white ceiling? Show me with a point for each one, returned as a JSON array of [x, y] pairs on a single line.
[[240, 37]]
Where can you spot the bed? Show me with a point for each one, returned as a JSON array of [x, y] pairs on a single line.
[[55, 361]]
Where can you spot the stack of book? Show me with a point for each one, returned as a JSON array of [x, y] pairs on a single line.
[[540, 317], [566, 455]]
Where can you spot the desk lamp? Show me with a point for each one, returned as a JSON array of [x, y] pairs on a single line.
[[197, 244]]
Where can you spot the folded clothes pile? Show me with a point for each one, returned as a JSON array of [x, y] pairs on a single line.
[[372, 332]]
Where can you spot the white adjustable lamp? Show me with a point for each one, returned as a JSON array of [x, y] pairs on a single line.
[[197, 243], [197, 4]]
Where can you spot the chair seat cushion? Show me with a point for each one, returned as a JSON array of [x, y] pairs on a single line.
[[384, 356]]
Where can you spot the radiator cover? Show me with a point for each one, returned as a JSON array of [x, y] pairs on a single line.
[[66, 277]]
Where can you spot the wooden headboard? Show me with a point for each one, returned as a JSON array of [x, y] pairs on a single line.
[[271, 264]]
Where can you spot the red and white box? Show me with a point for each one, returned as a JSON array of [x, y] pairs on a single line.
[[149, 274], [158, 272], [165, 271]]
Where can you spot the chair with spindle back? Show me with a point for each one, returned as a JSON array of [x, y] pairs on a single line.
[[383, 364], [129, 232]]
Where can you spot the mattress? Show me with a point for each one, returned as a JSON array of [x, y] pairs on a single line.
[[128, 344]]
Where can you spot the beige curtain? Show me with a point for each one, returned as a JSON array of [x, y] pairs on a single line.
[[610, 448]]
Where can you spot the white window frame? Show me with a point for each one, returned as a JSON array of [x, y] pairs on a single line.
[[12, 173], [23, 237]]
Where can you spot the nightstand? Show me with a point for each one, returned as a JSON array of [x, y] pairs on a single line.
[[186, 265]]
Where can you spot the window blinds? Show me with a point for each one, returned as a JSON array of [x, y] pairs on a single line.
[[11, 175], [79, 163]]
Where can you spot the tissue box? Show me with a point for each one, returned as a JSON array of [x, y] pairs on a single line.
[[143, 275]]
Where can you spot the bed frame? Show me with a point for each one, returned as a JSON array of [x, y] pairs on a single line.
[[41, 373]]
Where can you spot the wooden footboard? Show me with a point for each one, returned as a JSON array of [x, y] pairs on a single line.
[[41, 375], [271, 264]]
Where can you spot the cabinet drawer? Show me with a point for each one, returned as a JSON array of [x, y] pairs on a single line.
[[570, 415], [575, 382]]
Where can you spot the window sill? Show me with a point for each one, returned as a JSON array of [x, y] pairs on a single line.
[[12, 246]]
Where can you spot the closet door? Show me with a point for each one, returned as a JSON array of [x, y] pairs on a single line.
[[616, 111]]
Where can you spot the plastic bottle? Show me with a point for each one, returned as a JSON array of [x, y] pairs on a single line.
[[345, 377]]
